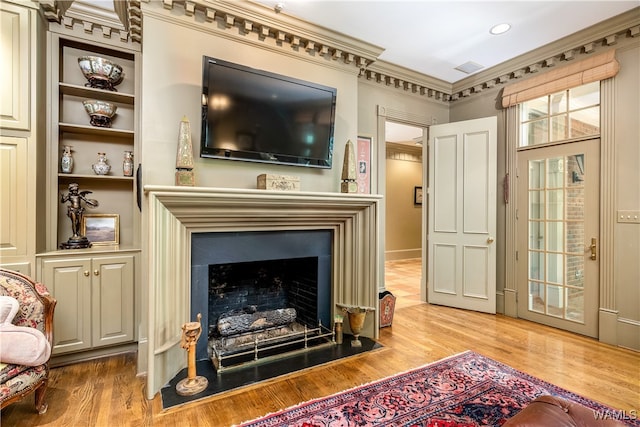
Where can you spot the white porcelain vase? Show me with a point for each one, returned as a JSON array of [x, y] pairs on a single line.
[[102, 167], [66, 161]]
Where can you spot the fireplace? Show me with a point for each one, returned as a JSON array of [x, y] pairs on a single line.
[[242, 277], [175, 216]]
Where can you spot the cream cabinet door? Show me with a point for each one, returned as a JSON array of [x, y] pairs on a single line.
[[15, 59], [112, 307], [13, 197], [69, 281], [95, 301]]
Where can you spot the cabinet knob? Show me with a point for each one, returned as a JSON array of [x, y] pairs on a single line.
[[86, 273], [96, 272]]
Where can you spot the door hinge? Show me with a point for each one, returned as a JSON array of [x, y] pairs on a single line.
[[516, 255]]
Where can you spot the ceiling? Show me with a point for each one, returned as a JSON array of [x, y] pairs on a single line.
[[434, 37]]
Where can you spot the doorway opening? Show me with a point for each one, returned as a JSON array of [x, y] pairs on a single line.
[[404, 204]]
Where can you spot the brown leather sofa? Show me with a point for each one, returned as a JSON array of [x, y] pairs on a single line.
[[547, 411]]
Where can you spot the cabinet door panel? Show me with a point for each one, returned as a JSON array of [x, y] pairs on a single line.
[[14, 87], [113, 300], [14, 196], [70, 284]]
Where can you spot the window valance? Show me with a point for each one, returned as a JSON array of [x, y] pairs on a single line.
[[589, 70]]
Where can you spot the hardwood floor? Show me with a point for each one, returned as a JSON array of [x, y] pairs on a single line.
[[106, 392]]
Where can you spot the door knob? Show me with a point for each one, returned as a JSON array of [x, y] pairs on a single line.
[[96, 272], [490, 240], [86, 273]]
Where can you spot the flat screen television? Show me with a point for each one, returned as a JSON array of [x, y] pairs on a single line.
[[259, 116]]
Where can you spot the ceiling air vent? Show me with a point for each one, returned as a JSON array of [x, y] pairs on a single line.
[[469, 67]]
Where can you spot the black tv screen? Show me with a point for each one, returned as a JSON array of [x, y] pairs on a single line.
[[255, 115]]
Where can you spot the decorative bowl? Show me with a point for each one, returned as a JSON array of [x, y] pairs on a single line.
[[101, 73], [101, 112]]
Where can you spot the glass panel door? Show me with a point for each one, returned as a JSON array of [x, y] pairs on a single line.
[[559, 195]]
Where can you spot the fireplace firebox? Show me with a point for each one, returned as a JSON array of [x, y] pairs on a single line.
[[256, 289], [261, 309]]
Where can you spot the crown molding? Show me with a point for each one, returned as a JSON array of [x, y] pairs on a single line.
[[405, 79], [66, 17], [278, 31], [596, 38], [282, 32]]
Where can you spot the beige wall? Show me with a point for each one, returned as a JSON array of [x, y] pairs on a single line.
[[626, 244], [627, 177], [171, 89], [403, 225]]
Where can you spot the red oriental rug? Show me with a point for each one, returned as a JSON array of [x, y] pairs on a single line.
[[464, 390]]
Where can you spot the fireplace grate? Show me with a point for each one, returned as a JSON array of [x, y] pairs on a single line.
[[265, 349]]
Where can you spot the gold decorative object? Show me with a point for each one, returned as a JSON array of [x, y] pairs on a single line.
[[268, 181], [193, 384], [349, 170], [357, 316], [184, 158]]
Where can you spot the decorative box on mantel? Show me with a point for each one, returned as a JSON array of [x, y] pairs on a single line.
[[278, 182]]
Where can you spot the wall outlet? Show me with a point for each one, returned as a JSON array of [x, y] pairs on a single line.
[[632, 217]]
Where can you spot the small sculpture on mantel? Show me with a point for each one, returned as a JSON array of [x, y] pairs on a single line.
[[193, 384], [75, 212], [184, 158], [349, 171]]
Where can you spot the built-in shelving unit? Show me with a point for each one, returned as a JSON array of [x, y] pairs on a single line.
[[95, 287], [70, 126]]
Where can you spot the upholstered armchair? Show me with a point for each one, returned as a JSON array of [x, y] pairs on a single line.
[[26, 332]]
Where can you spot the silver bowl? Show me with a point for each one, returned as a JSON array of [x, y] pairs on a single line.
[[101, 112], [101, 73]]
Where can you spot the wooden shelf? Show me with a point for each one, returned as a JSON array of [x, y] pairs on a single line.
[[94, 130], [93, 93], [72, 176]]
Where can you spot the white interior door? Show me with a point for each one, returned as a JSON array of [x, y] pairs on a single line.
[[461, 252]]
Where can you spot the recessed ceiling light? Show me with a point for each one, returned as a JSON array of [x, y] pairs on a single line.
[[500, 29]]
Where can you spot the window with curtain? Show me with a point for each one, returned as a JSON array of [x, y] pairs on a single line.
[[567, 114]]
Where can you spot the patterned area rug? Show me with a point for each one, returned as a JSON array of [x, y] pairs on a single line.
[[463, 390]]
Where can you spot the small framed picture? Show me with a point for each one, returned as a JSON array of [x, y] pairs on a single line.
[[417, 196], [364, 164], [101, 229]]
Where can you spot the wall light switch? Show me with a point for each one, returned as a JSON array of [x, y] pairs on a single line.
[[632, 217]]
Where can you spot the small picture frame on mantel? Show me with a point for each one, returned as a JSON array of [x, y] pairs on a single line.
[[101, 229], [417, 195]]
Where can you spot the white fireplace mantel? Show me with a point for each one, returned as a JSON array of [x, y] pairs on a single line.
[[172, 214]]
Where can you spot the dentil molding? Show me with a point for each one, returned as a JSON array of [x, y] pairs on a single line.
[[263, 25]]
